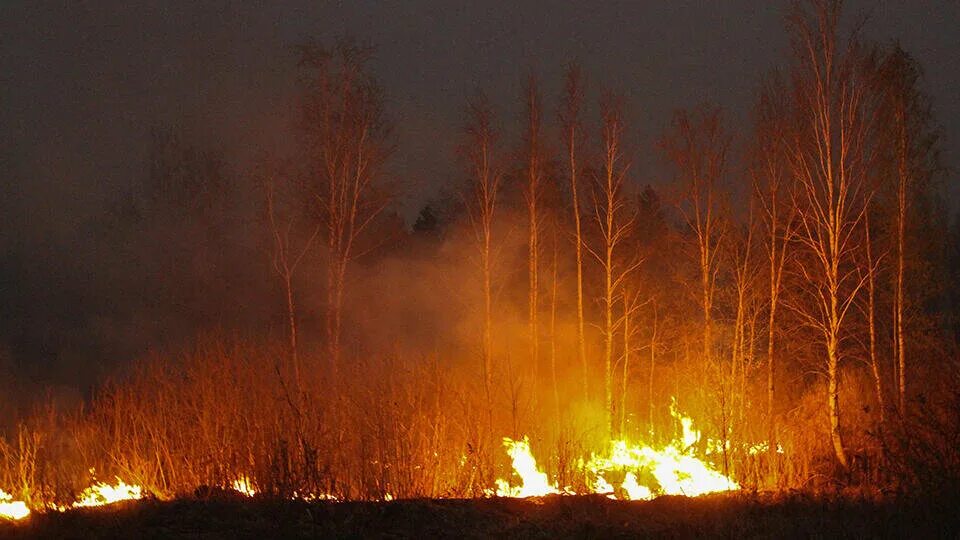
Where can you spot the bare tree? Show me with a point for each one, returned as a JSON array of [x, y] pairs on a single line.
[[348, 140], [828, 159], [631, 303], [911, 143], [697, 148], [777, 214], [288, 253], [614, 220], [572, 137], [478, 150], [872, 266], [532, 197], [744, 275]]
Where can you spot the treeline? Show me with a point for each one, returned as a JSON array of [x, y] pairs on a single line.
[[792, 292]]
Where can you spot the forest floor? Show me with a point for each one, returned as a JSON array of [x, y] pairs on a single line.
[[737, 515]]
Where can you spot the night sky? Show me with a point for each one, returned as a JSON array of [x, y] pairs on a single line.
[[84, 82]]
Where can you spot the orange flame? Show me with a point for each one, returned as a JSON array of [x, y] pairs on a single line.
[[101, 494], [671, 470]]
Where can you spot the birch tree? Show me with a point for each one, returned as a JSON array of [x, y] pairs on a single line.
[[572, 138], [697, 148], [534, 175], [777, 215], [828, 160], [614, 220], [911, 146], [348, 140], [485, 183]]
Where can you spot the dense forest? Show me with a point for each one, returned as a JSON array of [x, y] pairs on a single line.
[[789, 289]]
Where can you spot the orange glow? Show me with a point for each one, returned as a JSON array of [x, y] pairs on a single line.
[[671, 470], [101, 494]]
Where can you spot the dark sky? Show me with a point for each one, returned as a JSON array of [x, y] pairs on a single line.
[[82, 83]]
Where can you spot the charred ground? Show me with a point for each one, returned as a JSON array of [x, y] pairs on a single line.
[[735, 515]]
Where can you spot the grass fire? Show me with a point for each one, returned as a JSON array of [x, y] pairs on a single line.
[[416, 270]]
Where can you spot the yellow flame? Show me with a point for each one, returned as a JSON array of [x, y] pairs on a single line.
[[635, 492], [244, 486], [101, 494], [11, 509], [671, 470], [534, 482]]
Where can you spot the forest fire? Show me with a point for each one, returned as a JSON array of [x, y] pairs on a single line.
[[670, 470], [566, 296]]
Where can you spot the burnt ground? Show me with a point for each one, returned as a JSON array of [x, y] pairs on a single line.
[[718, 516]]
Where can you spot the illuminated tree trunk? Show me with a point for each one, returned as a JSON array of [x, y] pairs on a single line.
[[697, 147], [902, 179], [532, 195], [570, 119], [778, 216], [285, 264], [613, 225], [743, 275], [626, 366], [829, 161], [653, 357], [871, 321], [553, 334], [478, 150]]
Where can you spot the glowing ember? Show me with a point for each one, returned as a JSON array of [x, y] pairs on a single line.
[[534, 482], [244, 486], [11, 509], [101, 494], [315, 497], [640, 471]]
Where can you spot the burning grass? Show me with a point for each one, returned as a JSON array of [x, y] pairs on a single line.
[[626, 471]]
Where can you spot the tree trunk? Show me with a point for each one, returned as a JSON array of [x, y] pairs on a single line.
[[626, 366], [901, 219], [871, 320], [571, 124], [533, 195], [833, 392]]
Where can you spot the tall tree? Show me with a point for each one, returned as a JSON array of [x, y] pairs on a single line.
[[348, 140], [614, 220], [911, 144], [572, 138], [872, 266], [829, 159], [697, 147], [478, 150], [290, 247], [534, 175], [771, 189]]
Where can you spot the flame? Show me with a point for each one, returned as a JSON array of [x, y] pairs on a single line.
[[244, 486], [534, 482], [671, 470], [101, 494], [635, 492], [11, 509]]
